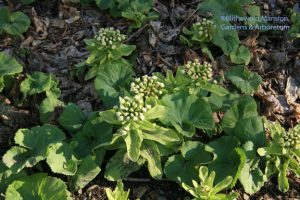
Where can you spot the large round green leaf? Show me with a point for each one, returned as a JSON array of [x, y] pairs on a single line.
[[72, 118], [229, 158], [13, 23], [245, 80], [94, 133], [9, 65], [38, 187], [120, 166], [187, 112], [112, 81], [181, 170], [36, 83], [61, 160], [242, 121], [195, 152], [33, 147]]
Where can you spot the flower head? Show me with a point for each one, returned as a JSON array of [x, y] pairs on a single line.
[[291, 138], [131, 108], [109, 37], [204, 30], [197, 71], [147, 86]]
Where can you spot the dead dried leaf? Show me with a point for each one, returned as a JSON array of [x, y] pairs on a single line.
[[41, 25], [69, 14], [169, 35], [292, 90]]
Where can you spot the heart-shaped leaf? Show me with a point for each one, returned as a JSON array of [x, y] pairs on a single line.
[[14, 23], [120, 166], [33, 147], [187, 112], [61, 160], [229, 159], [112, 81], [72, 118], [86, 172], [38, 186], [245, 80]]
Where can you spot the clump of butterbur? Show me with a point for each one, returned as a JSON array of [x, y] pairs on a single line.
[[199, 33], [206, 190], [109, 37], [107, 49], [118, 194]]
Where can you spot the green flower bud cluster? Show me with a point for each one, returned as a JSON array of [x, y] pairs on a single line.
[[131, 109], [291, 138], [109, 37], [204, 29], [124, 130], [147, 86], [197, 71]]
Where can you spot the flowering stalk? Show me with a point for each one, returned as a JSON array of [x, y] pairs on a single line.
[[107, 50], [147, 86], [131, 109], [291, 139], [199, 33], [109, 37], [198, 72], [204, 30]]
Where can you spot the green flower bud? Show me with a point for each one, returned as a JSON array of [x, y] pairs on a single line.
[[130, 109], [147, 86], [109, 37], [291, 139], [202, 31], [198, 72]]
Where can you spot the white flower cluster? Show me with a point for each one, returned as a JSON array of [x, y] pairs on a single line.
[[109, 37], [197, 71], [204, 29], [291, 138], [147, 86], [131, 109]]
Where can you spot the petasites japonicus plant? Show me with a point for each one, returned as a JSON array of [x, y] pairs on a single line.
[[243, 125], [282, 153], [37, 144], [9, 67], [42, 83], [195, 77], [207, 190], [139, 12], [106, 48], [199, 34], [138, 134], [118, 193]]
